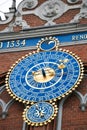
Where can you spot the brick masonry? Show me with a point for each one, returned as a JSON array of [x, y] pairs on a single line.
[[73, 117]]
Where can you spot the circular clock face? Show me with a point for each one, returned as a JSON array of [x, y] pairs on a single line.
[[44, 76], [40, 113]]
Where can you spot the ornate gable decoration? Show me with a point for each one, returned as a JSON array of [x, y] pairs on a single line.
[[49, 11]]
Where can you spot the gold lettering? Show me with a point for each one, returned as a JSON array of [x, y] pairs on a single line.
[[10, 44], [23, 42], [81, 37], [86, 36], [75, 38], [17, 43], [1, 45]]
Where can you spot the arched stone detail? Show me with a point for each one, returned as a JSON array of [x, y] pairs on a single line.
[[85, 97], [83, 100], [5, 107], [2, 88], [81, 14], [83, 104], [24, 126], [2, 104], [8, 105], [59, 117]]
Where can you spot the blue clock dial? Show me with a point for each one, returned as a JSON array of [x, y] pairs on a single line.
[[44, 76], [48, 45], [40, 113]]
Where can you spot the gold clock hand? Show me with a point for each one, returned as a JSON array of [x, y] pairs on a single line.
[[61, 66], [43, 73], [62, 63]]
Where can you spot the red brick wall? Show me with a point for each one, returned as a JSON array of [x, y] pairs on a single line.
[[7, 59], [73, 117]]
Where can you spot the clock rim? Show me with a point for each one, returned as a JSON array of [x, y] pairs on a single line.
[[80, 77]]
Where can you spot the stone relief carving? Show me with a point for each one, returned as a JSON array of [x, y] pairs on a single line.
[[20, 22], [5, 107], [24, 126], [48, 11], [83, 100], [2, 88], [29, 4], [81, 14], [8, 16], [72, 1]]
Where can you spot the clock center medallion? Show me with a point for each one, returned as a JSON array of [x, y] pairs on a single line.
[[43, 75]]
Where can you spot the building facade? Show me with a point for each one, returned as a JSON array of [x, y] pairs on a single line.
[[23, 26]]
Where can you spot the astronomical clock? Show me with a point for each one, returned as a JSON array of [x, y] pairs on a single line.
[[41, 78], [43, 59]]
